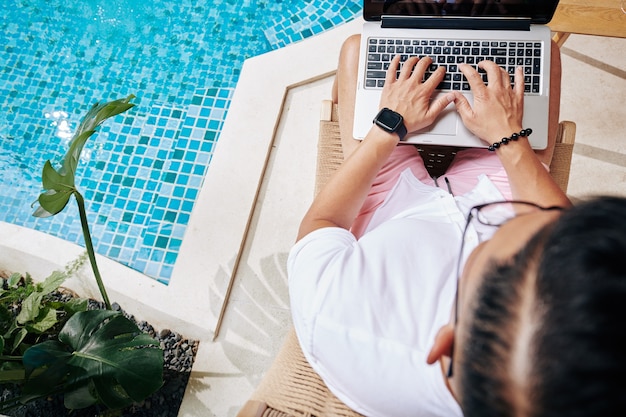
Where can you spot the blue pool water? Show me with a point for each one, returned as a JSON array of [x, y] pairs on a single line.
[[142, 172]]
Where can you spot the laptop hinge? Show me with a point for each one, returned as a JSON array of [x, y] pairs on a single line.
[[474, 23]]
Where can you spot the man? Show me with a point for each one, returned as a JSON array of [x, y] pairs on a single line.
[[373, 276]]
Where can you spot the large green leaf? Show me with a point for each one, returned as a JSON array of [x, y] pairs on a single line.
[[81, 397], [52, 202], [46, 365], [122, 364], [59, 185], [108, 344], [52, 180], [98, 113]]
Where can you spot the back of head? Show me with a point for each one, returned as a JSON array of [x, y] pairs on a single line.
[[573, 350]]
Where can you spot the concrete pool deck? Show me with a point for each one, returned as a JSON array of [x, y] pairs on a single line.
[[260, 183]]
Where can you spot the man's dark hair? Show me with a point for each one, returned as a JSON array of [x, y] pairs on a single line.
[[547, 333]]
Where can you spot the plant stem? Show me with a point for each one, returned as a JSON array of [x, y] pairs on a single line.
[[89, 246], [10, 358]]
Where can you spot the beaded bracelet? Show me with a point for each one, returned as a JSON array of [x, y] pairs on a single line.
[[514, 137]]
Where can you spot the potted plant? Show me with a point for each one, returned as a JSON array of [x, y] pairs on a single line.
[[57, 346]]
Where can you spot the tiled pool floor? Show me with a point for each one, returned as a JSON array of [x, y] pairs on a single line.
[[142, 173]]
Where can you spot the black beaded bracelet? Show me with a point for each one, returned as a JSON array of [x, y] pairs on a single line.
[[513, 137]]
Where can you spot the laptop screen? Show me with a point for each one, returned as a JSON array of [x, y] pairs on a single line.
[[539, 11]]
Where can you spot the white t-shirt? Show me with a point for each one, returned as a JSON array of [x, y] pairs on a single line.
[[366, 312]]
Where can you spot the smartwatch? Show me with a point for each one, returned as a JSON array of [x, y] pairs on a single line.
[[391, 122]]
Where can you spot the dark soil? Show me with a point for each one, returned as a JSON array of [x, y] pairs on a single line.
[[178, 356]]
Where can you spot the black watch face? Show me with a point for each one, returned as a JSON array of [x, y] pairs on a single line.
[[389, 119]]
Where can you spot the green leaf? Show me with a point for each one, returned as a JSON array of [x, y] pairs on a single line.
[[51, 356], [76, 305], [81, 397], [18, 338], [98, 113], [28, 280], [38, 317], [30, 308], [52, 180], [72, 306], [13, 326], [52, 283], [59, 184], [46, 319], [124, 364], [44, 354], [6, 319], [73, 154], [14, 279], [41, 213], [52, 202], [111, 393]]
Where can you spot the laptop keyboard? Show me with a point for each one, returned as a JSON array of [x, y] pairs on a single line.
[[451, 53]]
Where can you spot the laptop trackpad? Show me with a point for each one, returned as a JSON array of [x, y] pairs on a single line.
[[446, 123]]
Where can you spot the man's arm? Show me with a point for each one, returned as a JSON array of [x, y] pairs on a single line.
[[339, 202], [496, 113]]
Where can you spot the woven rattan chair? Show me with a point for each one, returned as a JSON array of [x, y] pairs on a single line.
[[290, 387]]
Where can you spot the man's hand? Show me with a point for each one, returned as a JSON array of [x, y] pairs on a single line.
[[411, 97], [498, 109]]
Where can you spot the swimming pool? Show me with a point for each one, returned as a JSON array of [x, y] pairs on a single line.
[[143, 171]]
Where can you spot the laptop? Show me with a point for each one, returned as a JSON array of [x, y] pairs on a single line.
[[510, 32]]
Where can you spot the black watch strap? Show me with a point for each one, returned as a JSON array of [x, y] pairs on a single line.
[[401, 131]]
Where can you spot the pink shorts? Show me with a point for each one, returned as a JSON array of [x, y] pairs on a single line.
[[462, 175]]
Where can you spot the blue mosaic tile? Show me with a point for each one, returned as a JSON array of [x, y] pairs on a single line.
[[142, 172], [308, 19]]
